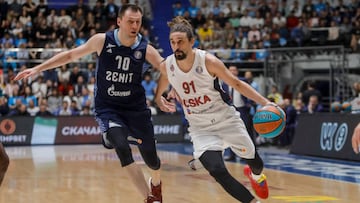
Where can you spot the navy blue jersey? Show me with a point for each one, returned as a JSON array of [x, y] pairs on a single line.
[[119, 73]]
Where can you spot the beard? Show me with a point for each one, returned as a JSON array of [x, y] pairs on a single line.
[[180, 55]]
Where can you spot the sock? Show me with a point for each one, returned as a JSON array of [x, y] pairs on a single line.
[[256, 177]]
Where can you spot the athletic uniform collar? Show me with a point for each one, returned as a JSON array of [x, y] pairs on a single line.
[[136, 44]]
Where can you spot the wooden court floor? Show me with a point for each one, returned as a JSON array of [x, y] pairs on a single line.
[[92, 174]]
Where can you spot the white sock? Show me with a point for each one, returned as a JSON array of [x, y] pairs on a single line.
[[256, 177]]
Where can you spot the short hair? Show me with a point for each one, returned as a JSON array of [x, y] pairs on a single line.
[[180, 24], [131, 7]]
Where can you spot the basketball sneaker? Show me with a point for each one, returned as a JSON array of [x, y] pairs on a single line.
[[151, 199], [260, 186], [156, 192]]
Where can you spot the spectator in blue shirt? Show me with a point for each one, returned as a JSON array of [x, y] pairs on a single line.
[[149, 85]]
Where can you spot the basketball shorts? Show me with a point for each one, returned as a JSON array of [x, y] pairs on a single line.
[[229, 132], [138, 124]]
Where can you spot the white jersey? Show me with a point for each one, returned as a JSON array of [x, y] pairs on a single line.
[[199, 91], [214, 124]]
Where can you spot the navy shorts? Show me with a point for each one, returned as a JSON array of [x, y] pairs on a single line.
[[138, 124]]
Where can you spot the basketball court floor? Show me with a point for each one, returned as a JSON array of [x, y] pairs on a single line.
[[92, 174]]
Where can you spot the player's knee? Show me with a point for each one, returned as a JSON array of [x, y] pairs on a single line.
[[151, 159], [125, 156], [118, 139], [219, 173]]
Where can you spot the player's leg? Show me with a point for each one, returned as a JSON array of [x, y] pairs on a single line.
[[118, 139], [4, 162], [152, 160], [141, 128], [235, 134], [213, 162]]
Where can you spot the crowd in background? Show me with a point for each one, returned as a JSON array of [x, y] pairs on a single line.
[[253, 24]]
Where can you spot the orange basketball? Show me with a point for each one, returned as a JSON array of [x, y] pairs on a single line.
[[269, 121]]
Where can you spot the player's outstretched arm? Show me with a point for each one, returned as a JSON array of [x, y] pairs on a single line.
[[65, 57], [356, 139], [218, 69]]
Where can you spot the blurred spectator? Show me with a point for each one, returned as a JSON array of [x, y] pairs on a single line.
[[313, 105], [65, 109], [16, 8], [64, 88], [29, 96], [43, 110], [64, 19], [29, 7], [149, 85], [193, 9], [205, 31], [310, 91], [333, 36], [111, 10], [178, 9], [32, 109], [39, 87], [4, 107], [278, 19], [54, 102], [355, 36], [20, 110], [85, 111], [42, 7], [86, 99], [287, 135], [52, 18], [79, 86], [275, 95], [63, 73]]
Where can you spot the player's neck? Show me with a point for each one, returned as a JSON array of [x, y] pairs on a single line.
[[125, 40], [186, 64]]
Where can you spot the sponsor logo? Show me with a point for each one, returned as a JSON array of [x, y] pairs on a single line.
[[111, 92], [199, 69], [166, 129], [197, 101], [7, 126], [80, 131], [138, 54], [333, 136], [108, 47]]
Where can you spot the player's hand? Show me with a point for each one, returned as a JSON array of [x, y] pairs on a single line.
[[26, 74], [165, 105], [355, 141], [277, 106], [173, 95]]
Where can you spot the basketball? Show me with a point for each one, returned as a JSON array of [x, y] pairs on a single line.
[[269, 121]]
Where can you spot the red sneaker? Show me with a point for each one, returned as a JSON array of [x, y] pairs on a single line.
[[151, 199], [260, 187], [156, 192]]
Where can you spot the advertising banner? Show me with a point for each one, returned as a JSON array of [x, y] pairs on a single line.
[[16, 130], [168, 128], [77, 130], [325, 135]]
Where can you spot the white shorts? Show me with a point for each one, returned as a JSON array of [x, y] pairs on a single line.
[[230, 132]]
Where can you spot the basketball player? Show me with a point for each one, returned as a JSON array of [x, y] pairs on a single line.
[[4, 162], [213, 123], [120, 104], [356, 139]]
